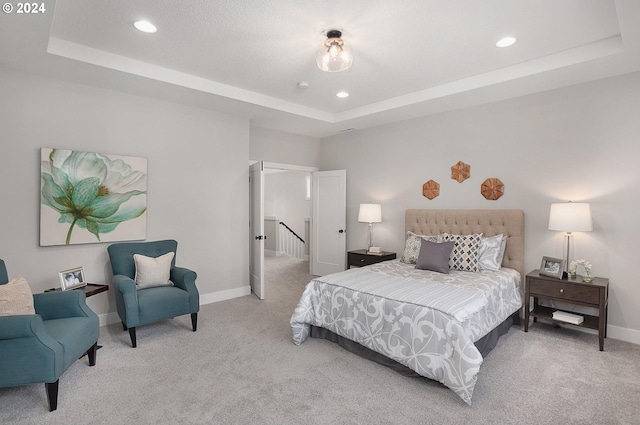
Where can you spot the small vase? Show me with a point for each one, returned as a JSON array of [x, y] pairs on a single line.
[[587, 278]]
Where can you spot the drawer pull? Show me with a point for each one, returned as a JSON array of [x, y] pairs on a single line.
[[562, 291], [362, 260]]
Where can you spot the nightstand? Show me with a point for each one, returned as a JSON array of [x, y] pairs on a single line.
[[572, 291], [361, 258]]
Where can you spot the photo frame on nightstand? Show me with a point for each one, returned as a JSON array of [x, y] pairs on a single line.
[[552, 267]]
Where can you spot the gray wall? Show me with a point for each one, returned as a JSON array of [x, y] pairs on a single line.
[[284, 148], [578, 143], [197, 185]]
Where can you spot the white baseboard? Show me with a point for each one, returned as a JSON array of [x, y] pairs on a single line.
[[623, 334], [109, 318], [214, 297]]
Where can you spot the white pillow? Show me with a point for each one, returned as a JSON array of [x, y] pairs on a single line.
[[491, 252], [16, 298], [153, 271]]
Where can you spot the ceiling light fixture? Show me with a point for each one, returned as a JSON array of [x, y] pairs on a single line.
[[334, 55], [145, 26], [342, 94], [506, 41]]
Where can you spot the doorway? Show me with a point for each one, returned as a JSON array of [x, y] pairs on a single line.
[[326, 253]]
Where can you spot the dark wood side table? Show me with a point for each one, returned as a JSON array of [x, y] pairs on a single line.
[[361, 258], [573, 291], [89, 290]]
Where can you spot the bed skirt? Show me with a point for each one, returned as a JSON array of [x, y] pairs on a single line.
[[484, 345]]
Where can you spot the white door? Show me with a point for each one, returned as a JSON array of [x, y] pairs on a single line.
[[328, 222], [256, 228]]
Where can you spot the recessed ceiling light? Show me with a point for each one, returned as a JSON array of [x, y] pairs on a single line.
[[145, 26], [342, 94], [506, 41]]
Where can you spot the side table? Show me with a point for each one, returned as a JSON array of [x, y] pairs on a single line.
[[573, 291], [89, 290], [362, 257]]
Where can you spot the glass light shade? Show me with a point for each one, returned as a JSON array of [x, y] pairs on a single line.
[[334, 55], [370, 213], [570, 217]]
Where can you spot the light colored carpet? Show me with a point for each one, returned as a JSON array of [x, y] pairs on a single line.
[[242, 368]]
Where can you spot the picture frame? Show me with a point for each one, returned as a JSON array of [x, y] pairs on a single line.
[[552, 267], [72, 278]]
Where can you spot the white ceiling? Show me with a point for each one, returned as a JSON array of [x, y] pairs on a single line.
[[245, 57]]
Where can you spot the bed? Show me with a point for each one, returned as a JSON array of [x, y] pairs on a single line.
[[421, 322]]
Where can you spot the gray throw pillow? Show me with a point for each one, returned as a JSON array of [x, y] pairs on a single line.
[[434, 256]]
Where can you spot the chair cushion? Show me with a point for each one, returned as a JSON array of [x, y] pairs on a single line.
[[16, 298], [75, 334], [153, 271], [162, 302]]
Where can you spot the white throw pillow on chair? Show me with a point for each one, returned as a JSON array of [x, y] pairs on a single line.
[[151, 271], [16, 298]]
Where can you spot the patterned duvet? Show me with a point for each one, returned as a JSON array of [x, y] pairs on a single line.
[[424, 320]]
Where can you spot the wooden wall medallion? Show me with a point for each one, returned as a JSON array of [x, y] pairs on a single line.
[[460, 171], [431, 189], [492, 189]]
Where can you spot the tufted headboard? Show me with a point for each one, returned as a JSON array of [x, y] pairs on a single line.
[[462, 222]]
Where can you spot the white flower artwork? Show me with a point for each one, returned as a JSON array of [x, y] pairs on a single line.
[[89, 197]]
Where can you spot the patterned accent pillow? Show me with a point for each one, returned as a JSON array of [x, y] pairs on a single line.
[[16, 298], [412, 246], [465, 251]]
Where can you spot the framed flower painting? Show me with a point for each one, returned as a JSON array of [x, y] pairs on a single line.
[[90, 197]]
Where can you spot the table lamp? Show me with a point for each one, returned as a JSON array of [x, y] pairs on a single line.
[[370, 213], [570, 217]]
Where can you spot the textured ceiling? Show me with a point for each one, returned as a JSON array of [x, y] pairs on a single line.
[[412, 57]]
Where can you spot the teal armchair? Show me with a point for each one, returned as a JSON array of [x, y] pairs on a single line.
[[137, 307], [37, 348]]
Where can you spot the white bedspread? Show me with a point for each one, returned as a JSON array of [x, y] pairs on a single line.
[[414, 317]]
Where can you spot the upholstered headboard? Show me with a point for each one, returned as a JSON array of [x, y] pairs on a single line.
[[462, 222]]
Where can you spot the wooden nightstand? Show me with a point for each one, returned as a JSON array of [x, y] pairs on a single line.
[[572, 291], [360, 258]]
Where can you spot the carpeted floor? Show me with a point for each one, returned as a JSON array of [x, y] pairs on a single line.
[[242, 368]]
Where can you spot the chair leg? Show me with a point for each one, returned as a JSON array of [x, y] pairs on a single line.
[[124, 327], [52, 394], [132, 334], [91, 353], [194, 321]]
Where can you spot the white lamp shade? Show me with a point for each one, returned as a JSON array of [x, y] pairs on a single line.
[[370, 213], [570, 217]]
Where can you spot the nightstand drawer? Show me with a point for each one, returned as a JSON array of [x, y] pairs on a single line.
[[565, 291], [360, 258], [363, 260]]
